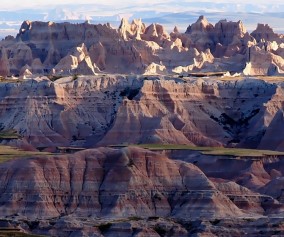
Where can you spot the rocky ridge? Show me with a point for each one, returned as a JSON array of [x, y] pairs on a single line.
[[91, 111], [132, 191], [67, 49], [137, 192]]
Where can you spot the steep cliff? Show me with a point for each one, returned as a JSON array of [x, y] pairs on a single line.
[[135, 48], [132, 191], [103, 110]]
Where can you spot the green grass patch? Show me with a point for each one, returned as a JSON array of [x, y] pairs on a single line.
[[270, 78], [214, 151], [10, 80], [9, 134], [15, 233], [135, 218], [242, 152], [8, 153]]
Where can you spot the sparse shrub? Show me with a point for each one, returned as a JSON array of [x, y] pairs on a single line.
[[157, 196], [32, 224], [75, 77], [104, 227], [135, 218], [215, 222], [188, 225], [130, 163], [9, 134], [153, 218], [129, 93], [160, 230], [54, 77]]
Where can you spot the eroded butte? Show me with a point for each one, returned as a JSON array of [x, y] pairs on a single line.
[[161, 120]]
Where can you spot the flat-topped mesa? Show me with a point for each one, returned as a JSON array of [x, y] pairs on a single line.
[[264, 32]]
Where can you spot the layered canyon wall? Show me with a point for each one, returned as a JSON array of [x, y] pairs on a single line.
[[65, 49], [106, 110]]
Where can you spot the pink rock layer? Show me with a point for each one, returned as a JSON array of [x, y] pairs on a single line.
[[137, 192], [67, 49]]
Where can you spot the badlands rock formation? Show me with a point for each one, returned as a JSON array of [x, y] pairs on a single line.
[[91, 111], [127, 182], [58, 102], [67, 49], [136, 192]]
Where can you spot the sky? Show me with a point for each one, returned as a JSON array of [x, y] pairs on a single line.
[[24, 4], [167, 12]]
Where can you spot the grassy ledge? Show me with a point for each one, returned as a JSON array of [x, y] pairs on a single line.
[[9, 153], [9, 134], [214, 151], [10, 232]]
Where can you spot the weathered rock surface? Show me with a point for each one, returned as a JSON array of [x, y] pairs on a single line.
[[131, 191], [110, 183], [137, 192], [88, 111], [59, 49]]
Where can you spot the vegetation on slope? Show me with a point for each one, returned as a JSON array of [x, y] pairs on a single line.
[[10, 232], [8, 153], [215, 151], [9, 134]]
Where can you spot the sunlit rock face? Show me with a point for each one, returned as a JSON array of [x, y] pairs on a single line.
[[90, 111], [108, 190], [67, 49]]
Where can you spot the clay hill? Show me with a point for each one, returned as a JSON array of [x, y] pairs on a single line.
[[68, 87], [137, 192], [66, 49], [92, 111]]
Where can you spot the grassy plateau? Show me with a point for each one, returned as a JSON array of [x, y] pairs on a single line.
[[214, 151], [8, 153]]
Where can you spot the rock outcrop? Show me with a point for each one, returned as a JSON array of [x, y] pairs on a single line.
[[87, 111], [93, 96], [127, 182], [135, 48], [132, 191], [264, 33]]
